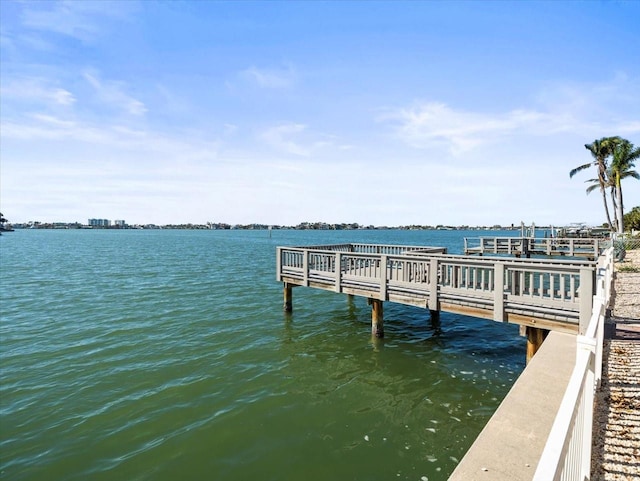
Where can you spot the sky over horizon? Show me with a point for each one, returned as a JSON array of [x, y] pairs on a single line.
[[384, 113]]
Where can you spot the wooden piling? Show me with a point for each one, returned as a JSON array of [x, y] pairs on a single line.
[[535, 338], [377, 318], [435, 320], [288, 297]]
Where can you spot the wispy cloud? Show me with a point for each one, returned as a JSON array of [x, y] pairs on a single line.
[[36, 90], [588, 110], [40, 128], [113, 93], [281, 138], [297, 139], [77, 19], [271, 78], [437, 124]]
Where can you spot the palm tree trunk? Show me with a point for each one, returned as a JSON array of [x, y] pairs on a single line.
[[602, 180], [620, 207], [606, 208], [614, 203]]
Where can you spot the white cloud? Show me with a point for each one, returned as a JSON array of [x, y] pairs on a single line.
[[230, 129], [78, 19], [271, 78], [436, 124], [54, 121], [296, 139], [280, 137], [63, 97], [113, 93], [36, 90], [41, 128], [589, 110]]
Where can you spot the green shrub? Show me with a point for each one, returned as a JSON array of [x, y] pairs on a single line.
[[623, 268]]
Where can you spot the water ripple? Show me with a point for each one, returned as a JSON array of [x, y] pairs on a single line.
[[165, 355]]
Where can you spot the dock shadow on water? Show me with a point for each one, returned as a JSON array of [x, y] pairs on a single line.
[[169, 359]]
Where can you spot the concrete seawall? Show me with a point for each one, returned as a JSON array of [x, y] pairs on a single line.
[[510, 445]]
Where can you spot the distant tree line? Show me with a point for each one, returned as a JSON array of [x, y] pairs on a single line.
[[632, 219]]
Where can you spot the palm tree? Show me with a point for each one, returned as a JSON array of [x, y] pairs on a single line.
[[595, 184], [624, 156], [601, 150]]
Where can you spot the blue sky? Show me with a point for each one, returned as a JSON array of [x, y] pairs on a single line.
[[385, 113]]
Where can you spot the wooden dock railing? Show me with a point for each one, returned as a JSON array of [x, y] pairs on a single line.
[[548, 294], [525, 246]]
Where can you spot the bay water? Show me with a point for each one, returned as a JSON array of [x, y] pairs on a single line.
[[165, 355]]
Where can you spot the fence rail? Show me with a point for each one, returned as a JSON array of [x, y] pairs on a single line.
[[567, 453], [550, 246], [628, 241], [503, 289]]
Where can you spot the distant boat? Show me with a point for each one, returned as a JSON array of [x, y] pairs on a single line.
[[578, 230], [3, 225]]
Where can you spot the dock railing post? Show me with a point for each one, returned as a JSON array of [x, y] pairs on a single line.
[[383, 277], [434, 304], [279, 263], [498, 292], [305, 267], [586, 297], [338, 271]]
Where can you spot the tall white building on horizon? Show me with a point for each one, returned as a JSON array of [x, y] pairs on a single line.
[[99, 222]]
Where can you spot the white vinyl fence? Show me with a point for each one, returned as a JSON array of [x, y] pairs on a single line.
[[567, 454]]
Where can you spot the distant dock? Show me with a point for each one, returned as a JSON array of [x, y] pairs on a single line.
[[589, 248]]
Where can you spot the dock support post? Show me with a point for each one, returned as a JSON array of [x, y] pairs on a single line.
[[288, 297], [535, 338], [377, 318], [435, 320]]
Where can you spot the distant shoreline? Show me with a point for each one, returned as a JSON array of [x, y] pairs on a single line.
[[224, 226]]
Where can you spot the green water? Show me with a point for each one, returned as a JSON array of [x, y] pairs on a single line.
[[164, 355]]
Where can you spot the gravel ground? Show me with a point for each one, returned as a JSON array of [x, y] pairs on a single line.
[[616, 448]]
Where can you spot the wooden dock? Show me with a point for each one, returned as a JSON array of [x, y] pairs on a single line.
[[540, 295], [589, 248]]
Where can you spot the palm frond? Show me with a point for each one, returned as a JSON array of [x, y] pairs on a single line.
[[591, 188], [579, 169]]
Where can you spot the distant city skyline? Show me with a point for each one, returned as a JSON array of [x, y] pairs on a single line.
[[277, 113]]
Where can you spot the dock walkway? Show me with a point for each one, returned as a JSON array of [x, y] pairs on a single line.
[[616, 436]]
